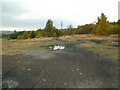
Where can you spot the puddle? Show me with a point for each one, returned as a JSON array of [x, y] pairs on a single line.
[[98, 41], [116, 43], [53, 47]]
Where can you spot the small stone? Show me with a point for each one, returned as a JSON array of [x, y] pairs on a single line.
[[58, 47], [29, 69], [18, 61], [65, 84], [80, 73], [77, 69], [73, 70], [44, 80]]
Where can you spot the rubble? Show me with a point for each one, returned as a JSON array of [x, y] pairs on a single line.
[[58, 47]]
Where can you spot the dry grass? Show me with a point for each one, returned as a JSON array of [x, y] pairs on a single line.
[[88, 37], [107, 49], [19, 46]]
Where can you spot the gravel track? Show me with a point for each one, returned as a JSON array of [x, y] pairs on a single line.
[[73, 67]]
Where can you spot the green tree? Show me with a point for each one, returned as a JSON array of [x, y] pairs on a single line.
[[85, 29], [32, 34], [50, 30], [69, 30], [118, 23], [56, 32], [114, 29], [23, 35], [14, 35], [39, 33], [102, 26]]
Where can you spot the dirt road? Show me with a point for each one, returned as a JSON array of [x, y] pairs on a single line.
[[73, 67]]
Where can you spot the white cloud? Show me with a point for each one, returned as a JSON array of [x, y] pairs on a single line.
[[75, 12], [72, 9]]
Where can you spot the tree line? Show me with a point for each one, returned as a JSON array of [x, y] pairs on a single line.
[[102, 27]]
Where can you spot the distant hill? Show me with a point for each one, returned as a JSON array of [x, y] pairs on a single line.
[[6, 32]]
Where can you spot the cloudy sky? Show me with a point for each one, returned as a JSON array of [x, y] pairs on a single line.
[[33, 14]]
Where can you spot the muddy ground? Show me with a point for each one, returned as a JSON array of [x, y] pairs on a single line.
[[73, 67]]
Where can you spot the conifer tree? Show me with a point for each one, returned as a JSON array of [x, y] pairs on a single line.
[[102, 26]]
